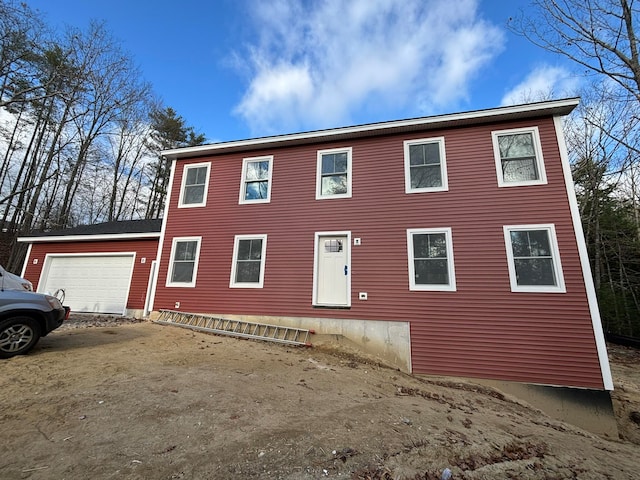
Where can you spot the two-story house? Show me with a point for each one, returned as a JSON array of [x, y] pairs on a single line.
[[446, 245]]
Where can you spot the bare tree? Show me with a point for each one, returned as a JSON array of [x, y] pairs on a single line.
[[599, 35]]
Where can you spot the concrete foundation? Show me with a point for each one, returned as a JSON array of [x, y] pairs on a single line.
[[591, 410], [389, 342], [129, 312]]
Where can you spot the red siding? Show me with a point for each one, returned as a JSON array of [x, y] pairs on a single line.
[[482, 329], [147, 248]]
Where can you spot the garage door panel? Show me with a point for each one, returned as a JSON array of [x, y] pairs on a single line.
[[97, 284]]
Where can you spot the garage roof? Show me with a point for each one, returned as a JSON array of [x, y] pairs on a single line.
[[109, 230]]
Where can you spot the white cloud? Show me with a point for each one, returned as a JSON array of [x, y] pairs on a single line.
[[543, 83], [317, 64]]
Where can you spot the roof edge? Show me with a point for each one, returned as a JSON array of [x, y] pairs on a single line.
[[89, 237], [552, 108]]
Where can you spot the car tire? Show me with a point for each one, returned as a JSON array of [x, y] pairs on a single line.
[[18, 335]]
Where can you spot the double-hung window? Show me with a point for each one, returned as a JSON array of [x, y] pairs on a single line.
[[249, 254], [255, 185], [195, 182], [333, 178], [183, 264], [518, 157], [431, 259], [533, 258], [425, 168]]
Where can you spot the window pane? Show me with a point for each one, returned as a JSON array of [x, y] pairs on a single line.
[[535, 271], [185, 251], [532, 243], [416, 155], [520, 170], [334, 185], [248, 272], [256, 190], [256, 249], [193, 194], [533, 259], [520, 244], [518, 156], [196, 178], [518, 145], [426, 176], [192, 176], [327, 164], [341, 162], [257, 171], [432, 245], [425, 154], [431, 272], [334, 163], [244, 249], [201, 175], [250, 249], [332, 246], [182, 272]]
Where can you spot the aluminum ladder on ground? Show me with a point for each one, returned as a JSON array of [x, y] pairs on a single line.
[[236, 328]]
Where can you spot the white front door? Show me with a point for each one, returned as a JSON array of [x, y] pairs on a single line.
[[332, 270]]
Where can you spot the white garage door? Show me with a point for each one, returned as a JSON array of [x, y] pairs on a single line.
[[92, 283]]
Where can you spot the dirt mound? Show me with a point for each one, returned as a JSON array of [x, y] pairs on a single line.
[[138, 400]]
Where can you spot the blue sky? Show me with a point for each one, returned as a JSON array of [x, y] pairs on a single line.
[[237, 69]]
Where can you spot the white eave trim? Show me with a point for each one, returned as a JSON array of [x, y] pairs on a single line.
[[86, 238], [551, 108]]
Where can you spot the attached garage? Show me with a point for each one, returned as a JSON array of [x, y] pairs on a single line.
[[104, 268], [92, 283]]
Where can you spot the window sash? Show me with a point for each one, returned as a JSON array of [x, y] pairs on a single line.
[[518, 156], [183, 262], [534, 259], [194, 185], [431, 259], [255, 184], [334, 173], [248, 261], [425, 165]]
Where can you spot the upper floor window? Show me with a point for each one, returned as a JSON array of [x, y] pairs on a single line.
[[431, 259], [249, 253], [334, 173], [183, 263], [534, 258], [255, 185], [425, 168], [195, 182], [518, 156]]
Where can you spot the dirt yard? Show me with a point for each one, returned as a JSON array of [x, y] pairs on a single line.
[[144, 401]]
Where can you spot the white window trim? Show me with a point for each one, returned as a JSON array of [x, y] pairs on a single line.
[[443, 166], [555, 254], [234, 262], [174, 242], [451, 287], [181, 204], [245, 161], [349, 151], [537, 145]]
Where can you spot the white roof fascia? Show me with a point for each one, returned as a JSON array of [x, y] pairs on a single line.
[[554, 107], [84, 238]]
